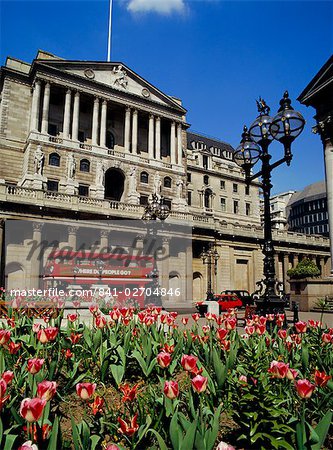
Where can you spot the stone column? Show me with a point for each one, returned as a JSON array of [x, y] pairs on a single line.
[[151, 137], [76, 117], [189, 274], [285, 276], [165, 266], [179, 145], [127, 130], [135, 132], [173, 143], [102, 139], [34, 118], [295, 261], [95, 122], [46, 107], [2, 253], [67, 114], [322, 266], [72, 232], [158, 138], [104, 239], [37, 255], [328, 153]]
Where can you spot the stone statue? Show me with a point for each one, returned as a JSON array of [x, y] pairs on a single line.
[[39, 160], [157, 184], [100, 172], [71, 166], [121, 77], [132, 184], [179, 191]]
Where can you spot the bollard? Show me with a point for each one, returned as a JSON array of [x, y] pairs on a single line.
[[295, 311]]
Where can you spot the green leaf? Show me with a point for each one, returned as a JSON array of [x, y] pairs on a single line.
[[305, 356], [1, 431], [9, 442], [76, 436], [94, 441], [53, 443], [212, 435], [322, 429], [300, 436], [141, 361], [159, 438], [85, 434], [188, 441], [117, 373], [219, 368], [175, 432]]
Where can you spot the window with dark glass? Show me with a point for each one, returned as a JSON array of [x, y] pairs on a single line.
[[235, 187], [52, 185], [144, 200], [206, 179], [189, 198], [83, 190], [167, 182], [247, 209], [205, 161], [84, 165], [52, 129], [54, 159], [223, 204], [144, 177], [236, 207], [247, 190], [222, 184], [167, 202], [189, 177], [81, 136], [110, 141]]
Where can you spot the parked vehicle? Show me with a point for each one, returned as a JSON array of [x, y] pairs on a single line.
[[243, 295], [227, 301]]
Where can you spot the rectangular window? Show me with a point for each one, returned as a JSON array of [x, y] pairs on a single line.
[[223, 204], [235, 187], [222, 184], [236, 208], [247, 190], [81, 136], [83, 190], [144, 200], [167, 202], [52, 129], [205, 161], [189, 177], [247, 209], [52, 185], [189, 198]]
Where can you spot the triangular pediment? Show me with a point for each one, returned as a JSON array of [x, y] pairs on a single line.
[[116, 76], [320, 82]]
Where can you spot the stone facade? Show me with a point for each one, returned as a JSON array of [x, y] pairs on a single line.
[[85, 141]]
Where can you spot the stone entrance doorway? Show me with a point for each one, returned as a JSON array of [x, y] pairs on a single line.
[[114, 184]]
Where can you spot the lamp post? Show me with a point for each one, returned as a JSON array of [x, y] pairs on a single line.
[[210, 258], [284, 127], [100, 266], [155, 210]]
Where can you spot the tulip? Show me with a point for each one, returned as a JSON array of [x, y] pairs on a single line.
[[32, 409], [8, 376], [100, 321], [171, 389], [72, 317], [128, 428], [278, 369], [282, 334], [260, 329], [76, 304], [47, 334], [250, 330], [270, 317], [199, 383], [225, 345], [112, 447], [168, 348], [326, 338], [115, 314], [205, 328], [93, 308], [4, 336], [75, 338], [230, 324], [129, 393], [85, 390], [3, 387], [300, 327], [196, 317], [14, 348], [28, 446], [97, 405], [321, 378], [36, 327], [184, 320], [189, 362], [11, 322], [68, 354], [163, 359], [262, 320], [221, 333], [34, 365], [46, 389], [243, 379], [224, 446], [304, 388], [292, 374], [314, 323]]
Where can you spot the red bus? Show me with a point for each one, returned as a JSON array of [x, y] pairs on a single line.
[[85, 274]]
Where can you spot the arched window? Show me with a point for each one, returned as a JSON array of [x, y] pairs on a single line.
[[144, 177], [167, 182], [109, 140], [207, 197], [84, 165], [54, 159]]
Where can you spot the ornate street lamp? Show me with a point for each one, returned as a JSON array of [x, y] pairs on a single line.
[[99, 263], [284, 127], [210, 258], [155, 210]]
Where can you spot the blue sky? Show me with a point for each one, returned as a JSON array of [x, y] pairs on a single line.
[[217, 56]]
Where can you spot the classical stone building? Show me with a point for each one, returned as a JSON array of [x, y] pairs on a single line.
[[85, 142], [279, 204]]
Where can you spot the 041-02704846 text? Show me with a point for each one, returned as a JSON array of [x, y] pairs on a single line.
[[136, 292]]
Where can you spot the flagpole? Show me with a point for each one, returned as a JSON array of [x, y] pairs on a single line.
[[109, 31]]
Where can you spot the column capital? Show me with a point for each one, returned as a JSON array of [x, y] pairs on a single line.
[[37, 226], [72, 229], [105, 233], [151, 116]]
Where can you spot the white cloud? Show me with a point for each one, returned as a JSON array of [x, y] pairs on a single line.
[[157, 6]]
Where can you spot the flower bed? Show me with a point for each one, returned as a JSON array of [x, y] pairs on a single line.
[[140, 381]]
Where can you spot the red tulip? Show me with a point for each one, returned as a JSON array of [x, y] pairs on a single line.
[[100, 321], [292, 374], [14, 348], [75, 338], [72, 317], [168, 348], [32, 409], [205, 328], [225, 345], [184, 320], [46, 389], [129, 393], [326, 338], [270, 317], [47, 334], [243, 379], [3, 387], [93, 308], [112, 447], [199, 383], [221, 333], [278, 369], [282, 334], [8, 376], [304, 388], [4, 336], [260, 329], [68, 354], [230, 324], [321, 378], [314, 323], [34, 365], [85, 390], [171, 389], [189, 362], [262, 320], [300, 327], [97, 405], [250, 330], [115, 314], [196, 317], [28, 446], [164, 359], [128, 428]]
